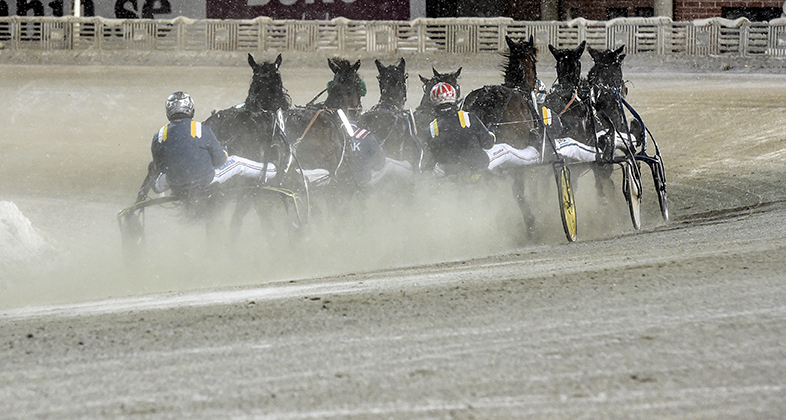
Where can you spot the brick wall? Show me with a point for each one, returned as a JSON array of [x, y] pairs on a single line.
[[684, 10], [687, 10], [597, 9]]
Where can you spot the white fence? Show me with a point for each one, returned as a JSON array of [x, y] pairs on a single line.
[[462, 35]]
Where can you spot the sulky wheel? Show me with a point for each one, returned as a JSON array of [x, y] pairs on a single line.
[[631, 189], [659, 178], [567, 205]]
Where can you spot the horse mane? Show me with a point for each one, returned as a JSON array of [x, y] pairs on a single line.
[[266, 91], [519, 67]]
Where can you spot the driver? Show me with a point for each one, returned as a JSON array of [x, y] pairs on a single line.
[[187, 155], [460, 142]]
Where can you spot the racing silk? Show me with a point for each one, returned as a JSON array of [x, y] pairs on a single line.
[[457, 141], [188, 153], [367, 156]]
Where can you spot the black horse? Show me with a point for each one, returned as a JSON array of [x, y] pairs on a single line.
[[248, 129], [608, 87], [569, 96], [253, 130], [321, 141], [393, 126]]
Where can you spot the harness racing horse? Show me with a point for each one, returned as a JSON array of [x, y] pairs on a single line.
[[425, 112], [248, 130], [607, 95], [253, 130], [322, 141], [508, 109], [607, 89], [393, 126], [569, 96]]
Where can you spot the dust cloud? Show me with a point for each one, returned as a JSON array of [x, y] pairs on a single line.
[[76, 148]]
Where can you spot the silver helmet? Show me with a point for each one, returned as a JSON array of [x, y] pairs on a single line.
[[179, 105]]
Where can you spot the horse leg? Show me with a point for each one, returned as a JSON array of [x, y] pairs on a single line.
[[241, 209], [603, 179], [526, 212]]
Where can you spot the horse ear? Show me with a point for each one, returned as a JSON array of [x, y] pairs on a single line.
[[553, 50], [509, 41], [620, 58], [531, 40], [278, 61], [251, 61], [356, 66], [402, 64], [423, 79], [458, 72], [619, 50], [436, 73], [333, 66], [580, 49], [380, 67]]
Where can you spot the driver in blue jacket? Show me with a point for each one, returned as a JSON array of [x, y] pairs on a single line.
[[187, 155]]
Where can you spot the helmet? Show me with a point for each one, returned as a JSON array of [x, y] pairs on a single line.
[[179, 105], [442, 93]]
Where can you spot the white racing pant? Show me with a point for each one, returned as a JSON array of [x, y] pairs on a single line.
[[235, 165], [503, 155], [574, 151], [396, 168]]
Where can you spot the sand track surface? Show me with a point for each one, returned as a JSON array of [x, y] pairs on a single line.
[[429, 304]]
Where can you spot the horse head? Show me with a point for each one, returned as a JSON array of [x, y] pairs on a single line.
[[346, 88], [568, 64], [607, 70], [449, 78], [392, 84], [520, 71], [266, 92]]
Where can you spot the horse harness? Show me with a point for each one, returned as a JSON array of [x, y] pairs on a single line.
[[511, 92]]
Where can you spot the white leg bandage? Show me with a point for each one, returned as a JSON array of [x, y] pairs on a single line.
[[236, 165], [503, 155]]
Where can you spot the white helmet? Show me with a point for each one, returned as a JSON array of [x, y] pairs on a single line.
[[179, 105], [442, 93]]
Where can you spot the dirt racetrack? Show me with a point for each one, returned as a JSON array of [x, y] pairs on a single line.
[[430, 304]]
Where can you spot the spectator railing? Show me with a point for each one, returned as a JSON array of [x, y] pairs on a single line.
[[461, 35]]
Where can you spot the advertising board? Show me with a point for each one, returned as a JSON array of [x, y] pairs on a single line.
[[220, 9]]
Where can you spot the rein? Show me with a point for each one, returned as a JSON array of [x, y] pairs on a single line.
[[572, 99], [308, 127], [507, 102], [311, 102]]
